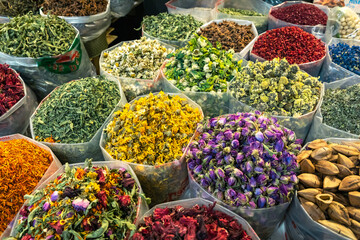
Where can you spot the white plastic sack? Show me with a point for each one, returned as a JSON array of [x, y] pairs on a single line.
[[189, 203], [142, 206], [120, 8], [261, 22], [319, 129], [16, 120], [79, 152], [277, 23], [54, 167], [161, 183], [202, 10], [45, 73]]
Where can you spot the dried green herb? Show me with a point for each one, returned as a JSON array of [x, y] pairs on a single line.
[[240, 12], [12, 8], [74, 8], [75, 111], [171, 26], [36, 36], [340, 108]]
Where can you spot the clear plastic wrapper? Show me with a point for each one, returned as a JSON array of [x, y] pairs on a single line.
[[319, 129], [203, 10], [261, 22], [17, 119], [189, 203], [343, 22], [79, 152], [4, 19], [54, 167], [142, 208], [120, 8], [161, 183], [44, 74], [277, 23]]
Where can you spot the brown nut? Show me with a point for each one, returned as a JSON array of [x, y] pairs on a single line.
[[313, 210], [346, 150], [338, 228], [354, 213], [354, 199], [350, 183], [339, 213], [318, 143], [343, 171], [323, 200], [344, 160], [323, 153], [303, 155], [306, 166], [326, 168], [331, 182], [309, 193], [310, 180]]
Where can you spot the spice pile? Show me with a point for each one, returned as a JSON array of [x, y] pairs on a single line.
[[200, 67], [346, 56], [329, 185], [75, 111], [23, 164], [340, 108], [245, 160], [174, 27], [198, 222], [276, 87], [301, 14], [36, 36], [292, 43], [239, 12], [230, 34], [152, 130], [74, 8], [12, 8], [82, 203], [136, 59], [11, 88]]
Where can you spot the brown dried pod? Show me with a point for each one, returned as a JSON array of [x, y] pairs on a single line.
[[318, 143], [355, 227], [346, 150], [355, 171], [309, 193], [331, 182], [338, 228], [354, 213], [343, 171], [352, 144], [344, 160], [333, 158], [354, 199], [323, 200], [310, 180], [334, 152], [355, 160], [339, 213], [350, 183], [303, 155], [313, 210], [307, 166], [326, 168], [323, 153]]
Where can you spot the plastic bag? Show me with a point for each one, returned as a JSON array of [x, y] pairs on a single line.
[[45, 73], [189, 203], [4, 19], [261, 22], [320, 130], [141, 209], [202, 10], [343, 22], [79, 152], [54, 166], [330, 3], [277, 23], [17, 119], [354, 5], [161, 183], [120, 8]]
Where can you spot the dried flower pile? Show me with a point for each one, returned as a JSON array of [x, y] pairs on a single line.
[[346, 56], [12, 8], [245, 160], [240, 12], [276, 87], [82, 203], [330, 183], [74, 8], [198, 222]]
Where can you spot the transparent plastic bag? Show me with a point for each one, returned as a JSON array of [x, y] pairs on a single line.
[[161, 183], [4, 19], [343, 22], [261, 22], [319, 129], [330, 3], [44, 74], [17, 119], [189, 203], [202, 10], [120, 8], [79, 152], [54, 166], [277, 23], [142, 207]]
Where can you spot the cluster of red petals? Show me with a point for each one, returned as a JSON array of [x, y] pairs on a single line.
[[301, 14], [292, 43]]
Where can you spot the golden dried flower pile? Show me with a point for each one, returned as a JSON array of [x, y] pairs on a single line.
[[330, 184], [153, 130]]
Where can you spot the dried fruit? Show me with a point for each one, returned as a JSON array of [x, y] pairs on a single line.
[[313, 210], [354, 213], [323, 201], [307, 166], [318, 143], [338, 228], [323, 153], [339, 213], [309, 193], [339, 198], [350, 183], [355, 226], [343, 171], [346, 150], [354, 198], [331, 182], [310, 180], [303, 155], [344, 160], [326, 167]]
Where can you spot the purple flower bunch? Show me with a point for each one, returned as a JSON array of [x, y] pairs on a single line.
[[245, 160]]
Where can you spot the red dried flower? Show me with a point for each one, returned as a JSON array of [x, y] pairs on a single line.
[[124, 200]]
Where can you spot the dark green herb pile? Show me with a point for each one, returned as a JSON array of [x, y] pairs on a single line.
[[75, 111], [12, 8], [175, 27], [341, 109], [36, 36], [239, 12]]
